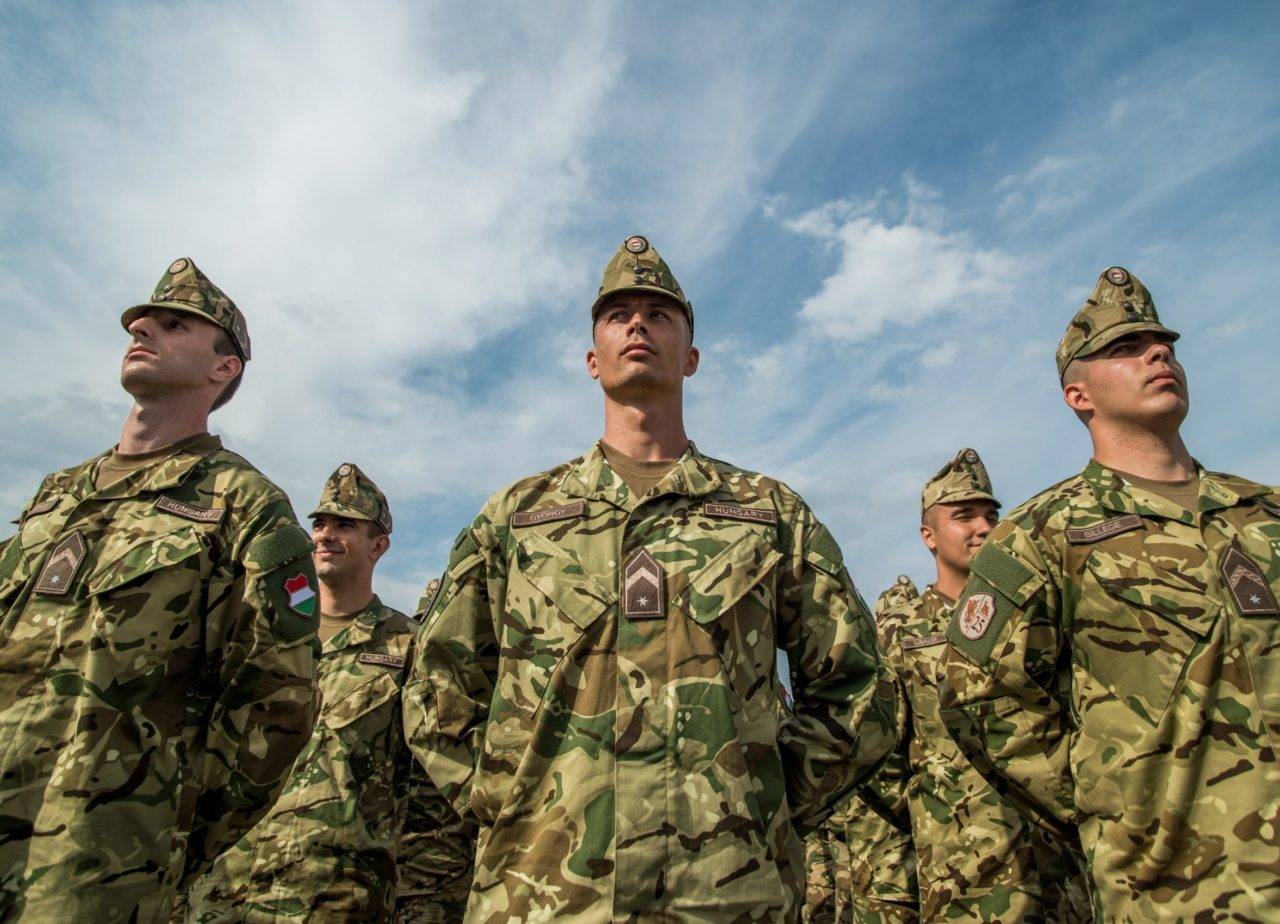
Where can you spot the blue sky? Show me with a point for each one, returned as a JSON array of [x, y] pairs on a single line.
[[885, 215]]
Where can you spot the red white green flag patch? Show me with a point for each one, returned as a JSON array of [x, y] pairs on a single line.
[[302, 596]]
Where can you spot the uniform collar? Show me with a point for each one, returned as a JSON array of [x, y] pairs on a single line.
[[159, 476], [361, 629], [591, 477], [1217, 491]]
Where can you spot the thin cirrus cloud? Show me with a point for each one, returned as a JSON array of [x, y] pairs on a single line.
[[412, 203]]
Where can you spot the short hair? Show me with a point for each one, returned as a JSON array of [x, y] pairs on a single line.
[[1073, 373], [225, 346]]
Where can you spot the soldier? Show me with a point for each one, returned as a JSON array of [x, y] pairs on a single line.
[[1115, 657], [903, 590], [329, 846], [157, 638], [596, 680]]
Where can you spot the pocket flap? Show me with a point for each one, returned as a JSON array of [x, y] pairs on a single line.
[[123, 563], [561, 580], [1168, 594], [349, 705], [724, 580]]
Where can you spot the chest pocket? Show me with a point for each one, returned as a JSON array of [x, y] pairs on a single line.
[[550, 604], [1143, 610], [146, 599], [732, 598], [362, 714]]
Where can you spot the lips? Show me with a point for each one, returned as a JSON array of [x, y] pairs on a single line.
[[638, 348]]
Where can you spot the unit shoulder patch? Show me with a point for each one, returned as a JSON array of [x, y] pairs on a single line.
[[976, 614], [1104, 530], [548, 514], [1248, 585], [199, 514], [735, 512]]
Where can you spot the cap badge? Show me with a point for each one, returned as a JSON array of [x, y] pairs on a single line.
[[1117, 276], [344, 470], [636, 244], [903, 580], [178, 265]]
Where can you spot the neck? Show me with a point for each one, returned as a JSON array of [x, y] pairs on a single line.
[[1142, 452], [648, 431], [347, 599], [156, 424], [951, 580]]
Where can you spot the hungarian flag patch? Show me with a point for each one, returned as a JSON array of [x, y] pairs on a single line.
[[302, 596]]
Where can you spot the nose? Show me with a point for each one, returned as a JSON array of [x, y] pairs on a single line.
[[319, 531], [636, 324], [984, 528], [1159, 352], [140, 327]]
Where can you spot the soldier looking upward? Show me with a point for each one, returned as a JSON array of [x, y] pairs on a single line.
[[330, 846], [1115, 656], [157, 638], [596, 679]]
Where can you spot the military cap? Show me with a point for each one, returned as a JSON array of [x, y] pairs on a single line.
[[1118, 305], [184, 288], [637, 267], [963, 478], [350, 493]]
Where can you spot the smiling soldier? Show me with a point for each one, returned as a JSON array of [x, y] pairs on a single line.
[[596, 682], [1115, 657], [157, 638], [330, 846]]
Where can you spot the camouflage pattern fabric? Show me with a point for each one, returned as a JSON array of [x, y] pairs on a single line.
[[1115, 665], [1118, 305], [902, 590], [157, 654], [350, 493], [637, 267], [976, 858], [329, 847], [963, 478], [184, 288], [596, 685]]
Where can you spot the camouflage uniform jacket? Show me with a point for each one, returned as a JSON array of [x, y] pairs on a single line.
[[328, 849], [636, 768], [977, 859], [155, 681], [1115, 662]]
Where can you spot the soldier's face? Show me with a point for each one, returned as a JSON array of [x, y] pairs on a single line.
[[171, 352], [346, 549], [642, 344], [955, 532], [1137, 379]]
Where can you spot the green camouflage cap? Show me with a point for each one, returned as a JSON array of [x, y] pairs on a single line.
[[903, 590], [350, 493], [637, 267], [963, 478], [184, 288], [1118, 305]]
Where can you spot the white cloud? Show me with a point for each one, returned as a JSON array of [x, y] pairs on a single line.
[[896, 274]]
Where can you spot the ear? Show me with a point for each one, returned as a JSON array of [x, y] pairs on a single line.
[[593, 364], [1076, 396], [380, 546], [225, 369], [926, 536], [691, 362]]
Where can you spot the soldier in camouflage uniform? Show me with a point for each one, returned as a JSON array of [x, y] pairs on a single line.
[[975, 857], [329, 847], [157, 639], [1115, 657], [596, 680], [903, 590]]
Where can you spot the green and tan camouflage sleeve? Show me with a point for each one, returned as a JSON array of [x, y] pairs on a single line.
[[262, 674], [1003, 700], [447, 696], [844, 721]]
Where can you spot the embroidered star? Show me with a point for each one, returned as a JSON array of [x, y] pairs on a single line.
[[55, 579], [643, 601], [1254, 598]]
